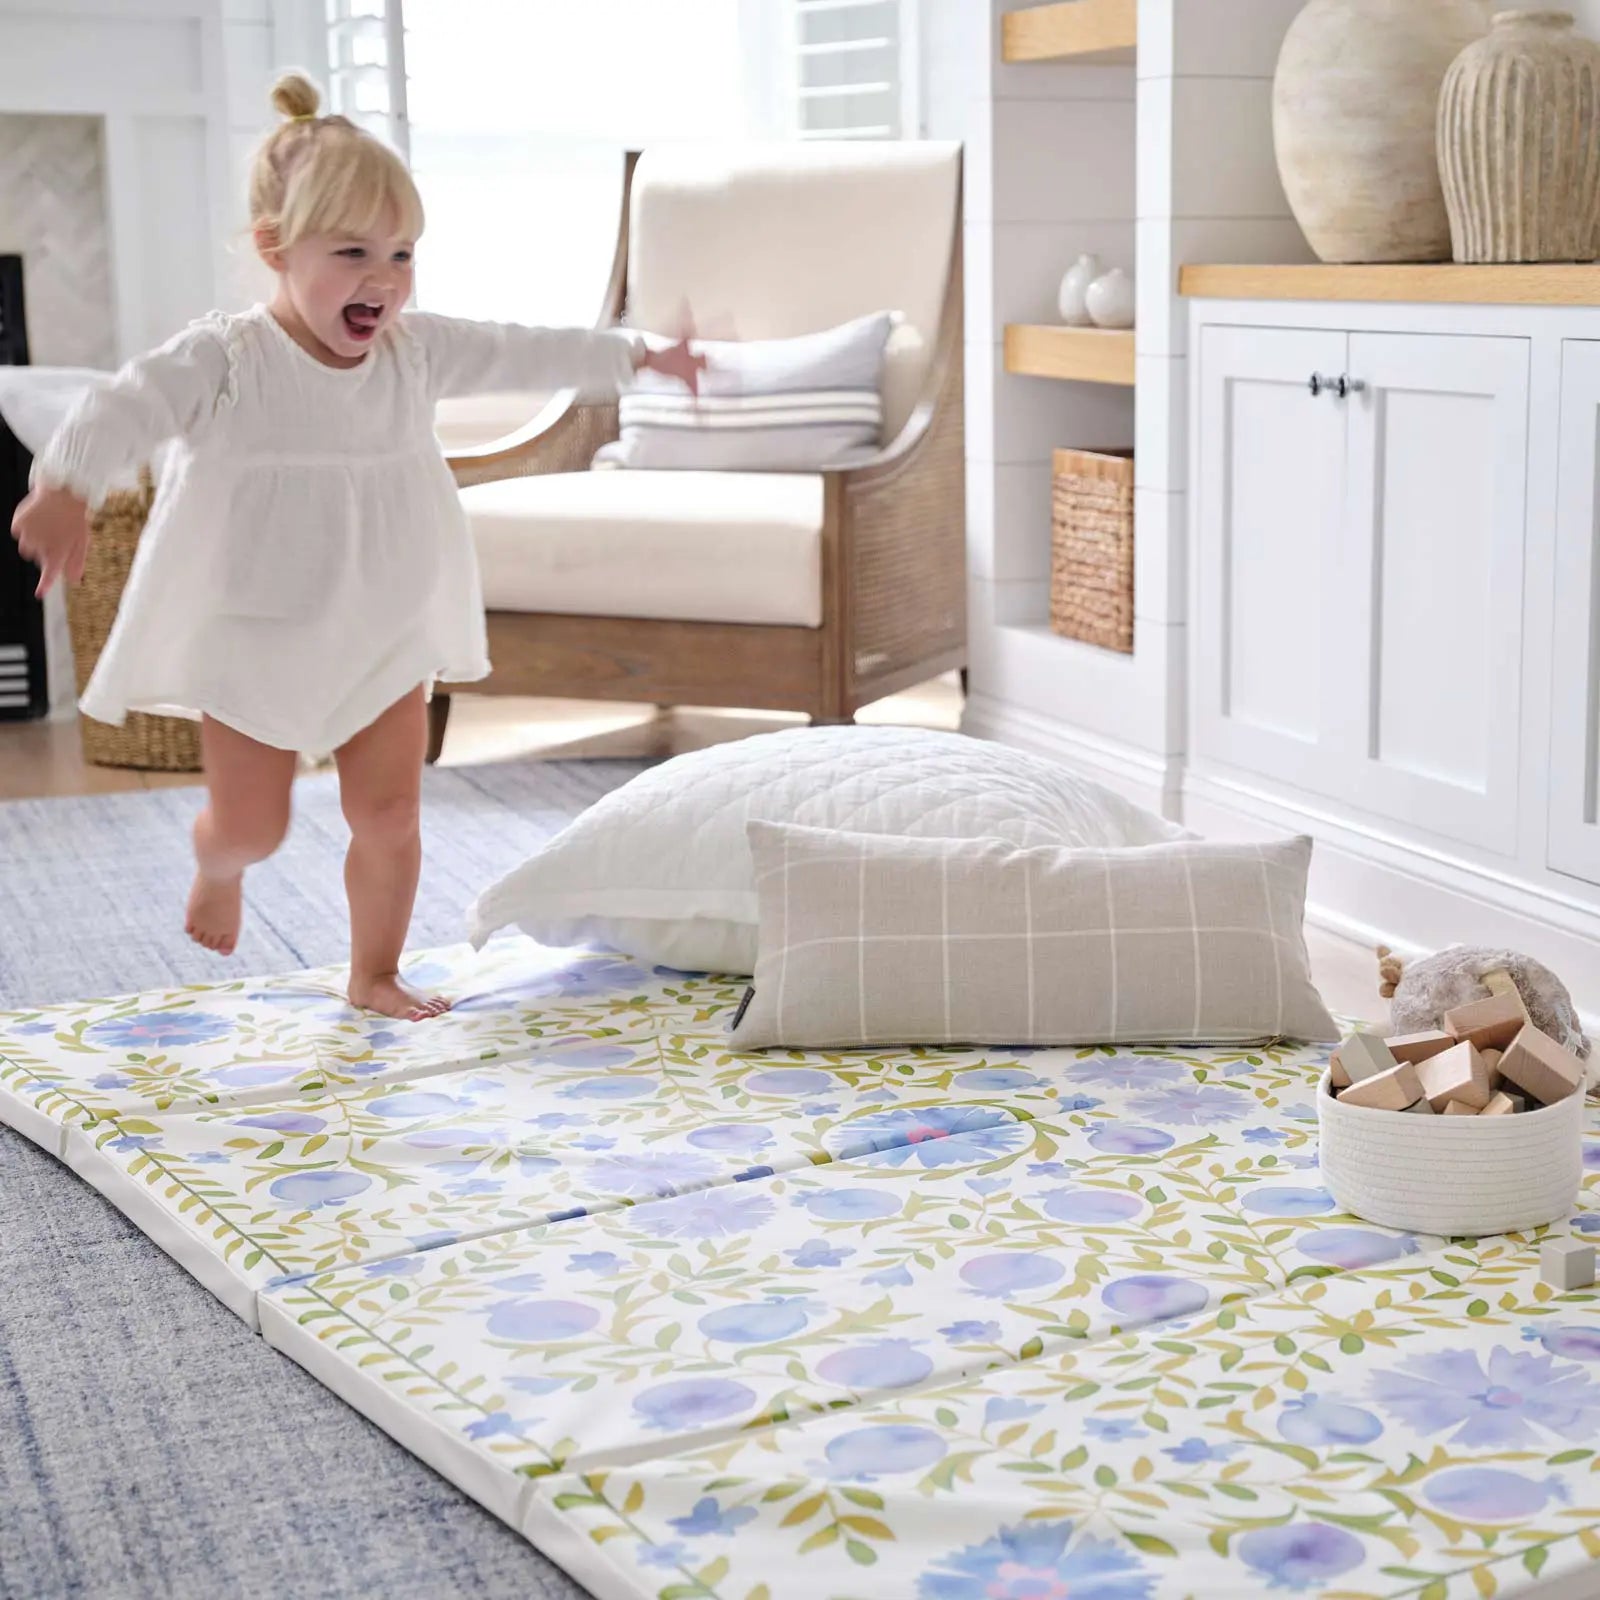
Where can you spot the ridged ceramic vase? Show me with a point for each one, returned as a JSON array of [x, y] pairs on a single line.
[[1354, 107], [1519, 142]]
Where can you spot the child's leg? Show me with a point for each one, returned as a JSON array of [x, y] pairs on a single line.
[[244, 822], [380, 787]]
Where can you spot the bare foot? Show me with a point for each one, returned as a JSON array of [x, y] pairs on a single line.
[[213, 915], [387, 995]]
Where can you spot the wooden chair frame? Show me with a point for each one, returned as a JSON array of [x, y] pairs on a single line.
[[893, 567]]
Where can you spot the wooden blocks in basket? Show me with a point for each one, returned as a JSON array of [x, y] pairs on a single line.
[[1091, 547], [1487, 1061]]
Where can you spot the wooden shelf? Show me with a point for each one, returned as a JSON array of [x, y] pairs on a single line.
[[1070, 31], [1085, 355], [1441, 283]]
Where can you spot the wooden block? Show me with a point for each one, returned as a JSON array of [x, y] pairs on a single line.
[[1459, 1074], [1502, 1105], [1544, 1070], [1421, 1107], [1566, 1263], [1364, 1055], [1458, 1108], [1337, 1076], [1393, 1090], [1489, 1024], [1415, 1047], [1491, 1059]]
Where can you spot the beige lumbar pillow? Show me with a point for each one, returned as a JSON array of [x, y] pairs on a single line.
[[875, 940]]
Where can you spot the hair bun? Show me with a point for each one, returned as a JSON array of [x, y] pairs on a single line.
[[295, 95]]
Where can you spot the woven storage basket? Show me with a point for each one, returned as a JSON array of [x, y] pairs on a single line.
[[1091, 547], [156, 744], [1462, 1177]]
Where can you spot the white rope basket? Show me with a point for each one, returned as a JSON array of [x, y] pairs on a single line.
[[1458, 1176]]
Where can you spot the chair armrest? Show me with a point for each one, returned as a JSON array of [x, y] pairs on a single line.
[[563, 437]]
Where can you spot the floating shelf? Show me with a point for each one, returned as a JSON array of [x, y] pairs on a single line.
[[1442, 283], [1085, 355], [1071, 31]]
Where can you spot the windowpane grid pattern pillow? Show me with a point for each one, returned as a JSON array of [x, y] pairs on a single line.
[[764, 405], [872, 940]]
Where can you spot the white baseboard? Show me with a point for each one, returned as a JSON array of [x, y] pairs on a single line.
[[1148, 779], [1379, 889]]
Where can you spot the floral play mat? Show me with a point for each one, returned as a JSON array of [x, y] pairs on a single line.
[[918, 1325]]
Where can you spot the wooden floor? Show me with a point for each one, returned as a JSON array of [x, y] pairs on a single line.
[[43, 758]]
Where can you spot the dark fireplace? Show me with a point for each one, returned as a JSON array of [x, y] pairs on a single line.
[[24, 691]]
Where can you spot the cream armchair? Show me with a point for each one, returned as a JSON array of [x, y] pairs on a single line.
[[816, 593]]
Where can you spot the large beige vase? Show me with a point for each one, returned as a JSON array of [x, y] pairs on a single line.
[[1519, 142], [1354, 112]]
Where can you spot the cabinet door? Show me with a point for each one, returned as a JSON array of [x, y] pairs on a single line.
[[1430, 607], [1270, 467], [1575, 673]]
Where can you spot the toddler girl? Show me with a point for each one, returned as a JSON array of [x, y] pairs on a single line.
[[306, 573]]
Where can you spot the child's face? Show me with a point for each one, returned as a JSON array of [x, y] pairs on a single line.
[[346, 289]]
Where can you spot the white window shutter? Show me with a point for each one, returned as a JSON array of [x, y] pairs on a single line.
[[855, 69], [367, 67]]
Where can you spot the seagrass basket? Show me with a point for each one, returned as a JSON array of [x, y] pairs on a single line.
[[154, 744], [1091, 547]]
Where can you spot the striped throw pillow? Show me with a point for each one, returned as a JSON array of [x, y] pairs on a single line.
[[765, 405]]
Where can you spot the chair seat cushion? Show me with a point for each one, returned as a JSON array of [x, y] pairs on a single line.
[[680, 546]]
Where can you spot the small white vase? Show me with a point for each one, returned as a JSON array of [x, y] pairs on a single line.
[[1110, 300], [1073, 301]]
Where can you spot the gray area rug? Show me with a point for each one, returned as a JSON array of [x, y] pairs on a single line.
[[150, 1444]]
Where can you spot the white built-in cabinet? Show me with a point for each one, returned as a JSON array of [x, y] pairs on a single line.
[[1575, 680], [1361, 508]]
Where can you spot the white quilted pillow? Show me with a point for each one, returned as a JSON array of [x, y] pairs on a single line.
[[661, 868]]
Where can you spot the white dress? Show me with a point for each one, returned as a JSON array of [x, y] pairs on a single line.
[[306, 562]]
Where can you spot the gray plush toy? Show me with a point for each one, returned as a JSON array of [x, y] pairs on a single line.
[[1419, 992]]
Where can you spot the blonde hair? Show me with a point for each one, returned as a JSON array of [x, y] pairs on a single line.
[[324, 175]]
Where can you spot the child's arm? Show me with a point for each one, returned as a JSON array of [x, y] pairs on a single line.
[[466, 357], [114, 429]]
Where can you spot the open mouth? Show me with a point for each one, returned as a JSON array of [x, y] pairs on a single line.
[[361, 319]]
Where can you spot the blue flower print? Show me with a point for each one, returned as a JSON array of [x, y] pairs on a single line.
[[471, 1188], [1263, 1136], [999, 1409], [737, 1137], [159, 1030], [687, 1403], [1047, 1169], [1197, 1452], [1112, 1430], [981, 1078], [135, 1141], [617, 1087], [972, 1332], [1274, 1200], [763, 1323], [317, 1002], [1354, 1248], [415, 1103], [880, 1364], [711, 1214], [1038, 1561], [819, 1253], [1510, 1403], [1304, 1555], [394, 1267], [1129, 1072], [589, 1141], [536, 1385], [851, 1205], [209, 1158], [1011, 1272], [601, 1261], [1153, 1298], [1575, 1341], [586, 1053], [31, 1030], [1319, 1420], [790, 1081], [283, 1122], [1078, 1102], [1193, 1105], [891, 1277], [820, 1108], [541, 1321], [1486, 1494], [1090, 1208], [937, 1136], [651, 1172], [708, 1518], [383, 1038], [311, 1191], [988, 1186], [1128, 1139], [112, 1080], [663, 1555], [884, 1449], [582, 980], [520, 1283], [493, 1426]]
